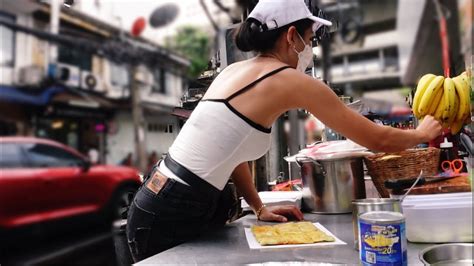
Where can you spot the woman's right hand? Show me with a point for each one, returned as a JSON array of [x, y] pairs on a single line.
[[280, 213], [429, 128]]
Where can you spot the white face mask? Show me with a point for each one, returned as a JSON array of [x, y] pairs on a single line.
[[305, 57]]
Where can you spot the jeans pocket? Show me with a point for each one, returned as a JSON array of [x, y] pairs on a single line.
[[139, 226], [226, 206], [139, 244]]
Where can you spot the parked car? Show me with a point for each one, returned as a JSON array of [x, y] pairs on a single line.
[[42, 181]]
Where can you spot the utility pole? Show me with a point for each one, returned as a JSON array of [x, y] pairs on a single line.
[[138, 119], [54, 29], [326, 59]]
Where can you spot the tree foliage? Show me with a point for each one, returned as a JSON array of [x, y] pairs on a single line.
[[194, 44]]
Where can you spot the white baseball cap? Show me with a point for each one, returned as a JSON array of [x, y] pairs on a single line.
[[278, 13]]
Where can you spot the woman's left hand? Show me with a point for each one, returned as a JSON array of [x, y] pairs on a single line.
[[280, 213]]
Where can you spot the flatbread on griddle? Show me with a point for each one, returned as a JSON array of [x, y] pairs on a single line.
[[289, 233]]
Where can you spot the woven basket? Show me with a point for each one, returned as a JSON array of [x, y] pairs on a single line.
[[405, 164]]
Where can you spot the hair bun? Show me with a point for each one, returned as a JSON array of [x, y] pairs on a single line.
[[255, 26]]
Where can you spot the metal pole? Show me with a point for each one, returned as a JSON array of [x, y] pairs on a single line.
[[325, 51], [138, 121], [326, 59], [54, 29], [293, 140], [261, 173]]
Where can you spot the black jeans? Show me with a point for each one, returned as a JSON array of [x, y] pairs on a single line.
[[176, 214]]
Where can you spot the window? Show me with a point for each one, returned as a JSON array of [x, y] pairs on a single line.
[[119, 75], [7, 42], [11, 156], [159, 128], [159, 81], [75, 57], [42, 155]]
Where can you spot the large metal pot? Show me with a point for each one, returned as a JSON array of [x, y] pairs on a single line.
[[368, 205], [329, 186]]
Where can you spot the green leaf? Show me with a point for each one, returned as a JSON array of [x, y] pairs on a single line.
[[193, 43]]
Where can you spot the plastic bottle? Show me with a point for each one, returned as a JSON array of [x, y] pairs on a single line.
[[446, 153]]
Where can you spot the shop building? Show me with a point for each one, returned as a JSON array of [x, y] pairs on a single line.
[[84, 98]]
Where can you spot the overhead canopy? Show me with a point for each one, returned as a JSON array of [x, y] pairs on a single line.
[[14, 95], [182, 113], [82, 99]]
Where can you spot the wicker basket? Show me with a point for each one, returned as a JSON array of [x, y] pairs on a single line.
[[408, 163]]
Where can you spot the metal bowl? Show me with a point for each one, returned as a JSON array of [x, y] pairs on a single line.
[[448, 254]]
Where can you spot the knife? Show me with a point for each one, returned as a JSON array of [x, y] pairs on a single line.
[[399, 184], [467, 143]]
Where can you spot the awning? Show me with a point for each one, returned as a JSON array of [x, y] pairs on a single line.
[[156, 108], [182, 113], [83, 99], [14, 95]]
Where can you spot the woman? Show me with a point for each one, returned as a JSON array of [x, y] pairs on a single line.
[[187, 193]]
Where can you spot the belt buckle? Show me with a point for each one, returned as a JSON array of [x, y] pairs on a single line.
[[156, 182]]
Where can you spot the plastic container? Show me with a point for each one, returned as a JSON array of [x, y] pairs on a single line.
[[446, 152], [438, 218]]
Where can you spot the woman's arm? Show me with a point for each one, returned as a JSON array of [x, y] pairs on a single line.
[[322, 102], [243, 181]]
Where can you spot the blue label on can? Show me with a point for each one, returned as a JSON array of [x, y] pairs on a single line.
[[382, 244]]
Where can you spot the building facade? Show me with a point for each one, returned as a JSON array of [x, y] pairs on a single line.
[[83, 99]]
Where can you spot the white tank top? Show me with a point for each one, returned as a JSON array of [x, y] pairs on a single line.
[[217, 138]]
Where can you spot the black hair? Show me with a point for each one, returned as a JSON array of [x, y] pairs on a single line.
[[252, 35]]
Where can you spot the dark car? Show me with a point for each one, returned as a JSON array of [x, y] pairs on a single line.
[[43, 181]]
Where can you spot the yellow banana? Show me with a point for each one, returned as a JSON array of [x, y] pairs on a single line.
[[467, 81], [434, 86], [464, 100], [452, 117], [465, 77], [435, 102], [438, 115], [448, 96], [420, 90], [456, 126], [468, 91]]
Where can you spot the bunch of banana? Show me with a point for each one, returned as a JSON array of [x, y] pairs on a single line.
[[446, 99]]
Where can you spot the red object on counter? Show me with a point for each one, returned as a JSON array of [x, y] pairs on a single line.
[[288, 185]]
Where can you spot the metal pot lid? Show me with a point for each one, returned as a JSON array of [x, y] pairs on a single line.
[[306, 159]]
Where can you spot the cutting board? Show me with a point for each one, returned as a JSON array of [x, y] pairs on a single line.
[[456, 184]]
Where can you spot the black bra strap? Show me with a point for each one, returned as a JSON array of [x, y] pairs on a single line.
[[246, 88]]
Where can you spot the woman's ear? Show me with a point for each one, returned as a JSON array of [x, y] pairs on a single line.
[[290, 36]]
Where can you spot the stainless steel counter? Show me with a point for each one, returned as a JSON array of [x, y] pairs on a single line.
[[229, 246]]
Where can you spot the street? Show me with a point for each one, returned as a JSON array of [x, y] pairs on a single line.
[[80, 247]]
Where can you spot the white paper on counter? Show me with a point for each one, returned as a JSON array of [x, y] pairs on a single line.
[[253, 243]]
